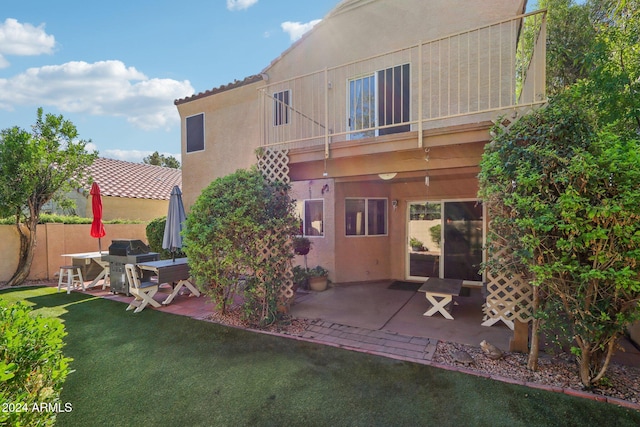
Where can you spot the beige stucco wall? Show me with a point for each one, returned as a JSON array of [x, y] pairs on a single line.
[[232, 133], [375, 27], [53, 240], [322, 247], [129, 208]]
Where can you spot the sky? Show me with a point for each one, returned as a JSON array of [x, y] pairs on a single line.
[[114, 68]]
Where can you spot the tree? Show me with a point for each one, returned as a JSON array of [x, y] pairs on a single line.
[[563, 199], [238, 240], [158, 159], [570, 34], [35, 168]]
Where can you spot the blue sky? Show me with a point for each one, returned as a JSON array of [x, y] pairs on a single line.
[[115, 67]]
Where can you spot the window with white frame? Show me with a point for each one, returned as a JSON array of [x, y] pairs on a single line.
[[281, 103], [312, 214], [379, 99], [365, 217], [195, 132]]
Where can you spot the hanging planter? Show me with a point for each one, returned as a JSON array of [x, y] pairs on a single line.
[[301, 245]]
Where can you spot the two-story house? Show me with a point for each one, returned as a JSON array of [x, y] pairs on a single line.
[[378, 117]]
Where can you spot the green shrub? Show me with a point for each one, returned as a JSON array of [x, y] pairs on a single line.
[[238, 240], [32, 367], [155, 234], [68, 219]]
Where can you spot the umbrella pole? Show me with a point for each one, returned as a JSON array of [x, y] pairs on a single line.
[[99, 245]]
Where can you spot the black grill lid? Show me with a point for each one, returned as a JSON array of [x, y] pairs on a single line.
[[125, 247]]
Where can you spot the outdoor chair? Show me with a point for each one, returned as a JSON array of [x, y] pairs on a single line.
[[143, 292], [72, 276]]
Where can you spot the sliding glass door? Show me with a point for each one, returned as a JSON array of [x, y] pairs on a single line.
[[445, 240]]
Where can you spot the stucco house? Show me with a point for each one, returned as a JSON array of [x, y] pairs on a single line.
[[378, 117], [129, 190]]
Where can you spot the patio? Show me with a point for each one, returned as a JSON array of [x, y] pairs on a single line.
[[373, 318]]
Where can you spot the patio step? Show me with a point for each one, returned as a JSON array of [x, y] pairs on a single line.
[[373, 341]]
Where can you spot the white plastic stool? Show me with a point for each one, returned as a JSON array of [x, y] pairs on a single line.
[[73, 277]]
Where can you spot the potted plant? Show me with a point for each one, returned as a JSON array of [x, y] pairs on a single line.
[[300, 277], [318, 278], [416, 245]]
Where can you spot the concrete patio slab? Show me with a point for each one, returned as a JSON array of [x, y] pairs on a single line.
[[368, 305], [374, 306]]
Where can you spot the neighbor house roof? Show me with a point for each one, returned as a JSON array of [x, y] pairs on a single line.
[[118, 178]]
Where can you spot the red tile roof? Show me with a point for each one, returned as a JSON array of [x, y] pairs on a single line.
[[118, 178]]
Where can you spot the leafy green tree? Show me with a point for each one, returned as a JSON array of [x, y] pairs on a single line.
[[594, 45], [158, 159], [36, 167], [564, 200], [32, 366], [570, 35], [232, 223]]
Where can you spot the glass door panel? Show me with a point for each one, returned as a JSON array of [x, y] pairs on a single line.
[[424, 239], [463, 239], [362, 107]]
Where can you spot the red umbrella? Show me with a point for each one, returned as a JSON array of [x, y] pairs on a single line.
[[97, 229]]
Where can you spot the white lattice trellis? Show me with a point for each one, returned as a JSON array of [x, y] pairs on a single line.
[[274, 165], [272, 245], [509, 297]]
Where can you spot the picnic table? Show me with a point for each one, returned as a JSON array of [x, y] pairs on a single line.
[[84, 260], [440, 293], [171, 271]]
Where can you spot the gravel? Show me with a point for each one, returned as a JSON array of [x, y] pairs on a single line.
[[621, 382]]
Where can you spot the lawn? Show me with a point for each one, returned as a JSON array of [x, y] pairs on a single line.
[[156, 368]]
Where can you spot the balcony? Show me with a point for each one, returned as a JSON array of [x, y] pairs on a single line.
[[464, 78]]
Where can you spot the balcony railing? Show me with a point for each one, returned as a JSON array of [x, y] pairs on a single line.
[[442, 82]]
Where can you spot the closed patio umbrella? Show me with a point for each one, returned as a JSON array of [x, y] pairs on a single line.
[[97, 229], [176, 216]]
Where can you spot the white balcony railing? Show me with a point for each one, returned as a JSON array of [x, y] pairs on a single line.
[[428, 85]]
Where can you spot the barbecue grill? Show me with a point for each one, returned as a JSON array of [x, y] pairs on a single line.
[[127, 251]]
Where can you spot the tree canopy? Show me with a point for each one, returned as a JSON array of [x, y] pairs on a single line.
[[238, 240], [158, 159], [36, 167], [561, 185]]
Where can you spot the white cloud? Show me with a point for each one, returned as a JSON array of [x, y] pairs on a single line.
[[240, 4], [23, 40], [297, 29], [105, 88]]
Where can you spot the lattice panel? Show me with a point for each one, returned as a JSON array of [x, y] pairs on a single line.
[[509, 297], [274, 165], [273, 245]]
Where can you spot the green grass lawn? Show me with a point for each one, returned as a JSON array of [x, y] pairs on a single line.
[[158, 369]]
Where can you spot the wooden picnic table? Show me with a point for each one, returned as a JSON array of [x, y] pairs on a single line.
[[171, 271], [84, 260], [440, 293]]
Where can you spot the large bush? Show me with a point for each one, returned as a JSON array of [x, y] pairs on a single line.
[[32, 367], [238, 240], [155, 235], [564, 202]]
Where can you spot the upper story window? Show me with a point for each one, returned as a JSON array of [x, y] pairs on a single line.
[[366, 217], [281, 103], [195, 132], [379, 99]]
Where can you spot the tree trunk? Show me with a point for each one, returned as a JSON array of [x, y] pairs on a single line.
[[532, 362], [584, 366], [27, 245]]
